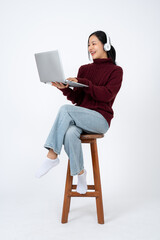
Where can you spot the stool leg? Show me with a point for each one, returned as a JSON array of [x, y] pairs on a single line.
[[67, 199], [97, 181]]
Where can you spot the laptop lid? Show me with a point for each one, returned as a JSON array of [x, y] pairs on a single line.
[[49, 66]]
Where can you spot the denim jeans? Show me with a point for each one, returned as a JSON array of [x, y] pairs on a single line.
[[67, 128]]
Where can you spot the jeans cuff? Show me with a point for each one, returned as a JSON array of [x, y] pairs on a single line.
[[50, 147]]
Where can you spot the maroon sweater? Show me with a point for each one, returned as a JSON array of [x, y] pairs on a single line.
[[104, 79]]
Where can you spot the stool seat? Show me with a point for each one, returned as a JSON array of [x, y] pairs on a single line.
[[97, 193], [85, 136]]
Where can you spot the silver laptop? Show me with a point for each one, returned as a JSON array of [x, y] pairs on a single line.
[[50, 68]]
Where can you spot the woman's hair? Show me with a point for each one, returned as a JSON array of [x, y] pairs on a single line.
[[103, 38]]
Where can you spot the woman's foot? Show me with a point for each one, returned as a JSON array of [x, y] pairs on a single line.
[[82, 183], [46, 166]]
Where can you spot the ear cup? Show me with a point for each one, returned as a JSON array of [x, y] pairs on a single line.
[[107, 45]]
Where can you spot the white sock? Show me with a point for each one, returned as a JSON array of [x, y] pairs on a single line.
[[46, 166], [82, 183]]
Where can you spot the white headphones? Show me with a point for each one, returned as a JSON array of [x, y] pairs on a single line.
[[107, 45]]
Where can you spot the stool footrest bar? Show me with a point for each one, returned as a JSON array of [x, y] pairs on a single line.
[[87, 194], [90, 187]]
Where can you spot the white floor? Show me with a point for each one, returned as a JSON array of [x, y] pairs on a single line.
[[27, 217]]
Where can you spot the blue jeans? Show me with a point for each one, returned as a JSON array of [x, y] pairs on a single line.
[[67, 128]]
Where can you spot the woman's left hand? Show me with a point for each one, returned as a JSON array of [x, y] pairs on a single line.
[[72, 79]]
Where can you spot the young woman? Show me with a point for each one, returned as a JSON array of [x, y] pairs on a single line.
[[92, 112]]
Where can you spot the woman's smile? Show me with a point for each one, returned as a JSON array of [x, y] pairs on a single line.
[[92, 53]]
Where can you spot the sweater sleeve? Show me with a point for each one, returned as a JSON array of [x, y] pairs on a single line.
[[75, 95], [107, 92]]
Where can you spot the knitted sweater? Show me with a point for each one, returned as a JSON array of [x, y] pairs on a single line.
[[104, 79]]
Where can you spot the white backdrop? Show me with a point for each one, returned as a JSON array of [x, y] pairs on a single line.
[[129, 153]]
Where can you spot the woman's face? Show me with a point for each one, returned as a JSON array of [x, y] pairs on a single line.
[[95, 47]]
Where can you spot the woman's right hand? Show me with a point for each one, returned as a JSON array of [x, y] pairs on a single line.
[[59, 85]]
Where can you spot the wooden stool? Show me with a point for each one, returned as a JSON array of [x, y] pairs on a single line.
[[85, 138]]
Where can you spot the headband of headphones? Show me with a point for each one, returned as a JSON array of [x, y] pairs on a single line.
[[107, 45]]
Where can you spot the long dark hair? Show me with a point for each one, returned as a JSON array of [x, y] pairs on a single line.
[[103, 38]]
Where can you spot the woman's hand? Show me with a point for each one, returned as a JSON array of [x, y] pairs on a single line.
[[72, 79], [59, 85]]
